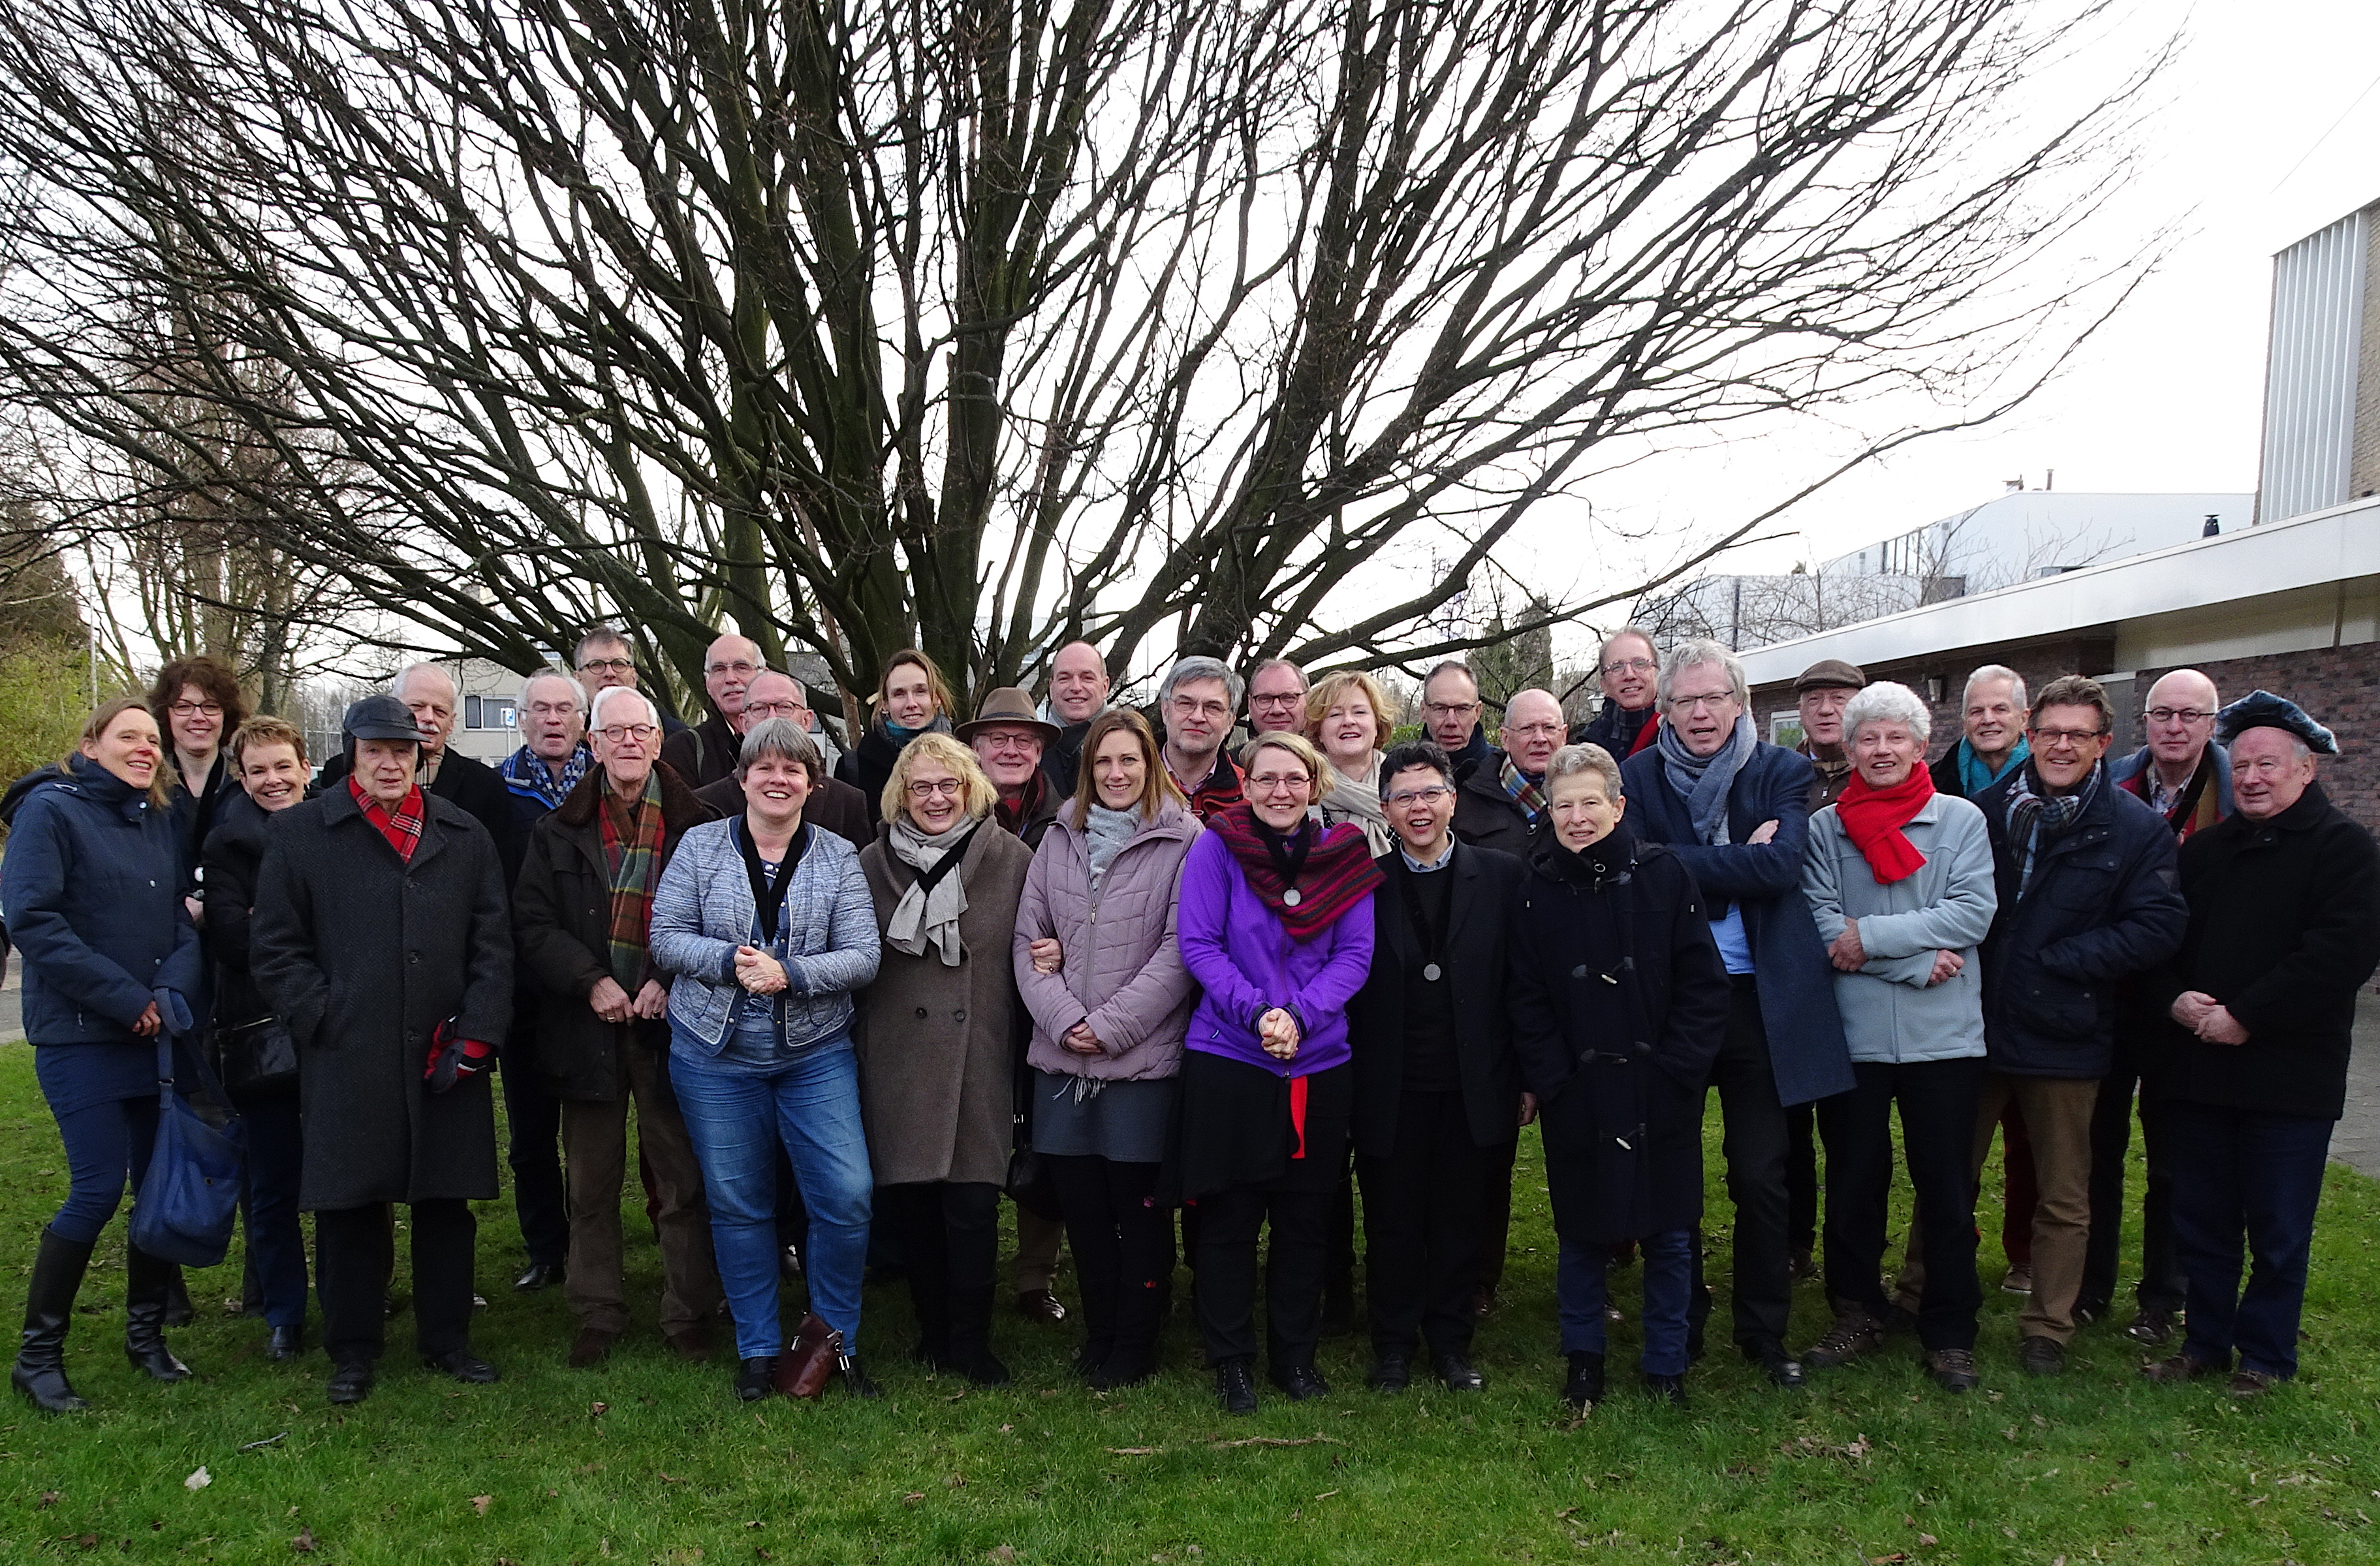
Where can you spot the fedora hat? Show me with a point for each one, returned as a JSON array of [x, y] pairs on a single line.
[[1008, 707]]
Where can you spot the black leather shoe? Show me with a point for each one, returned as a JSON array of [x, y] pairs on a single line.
[[856, 1383], [1390, 1373], [462, 1365], [1455, 1370], [1236, 1385], [2040, 1355], [1301, 1382], [1669, 1390], [539, 1275], [755, 1378], [284, 1342], [1583, 1389], [1781, 1368], [351, 1382]]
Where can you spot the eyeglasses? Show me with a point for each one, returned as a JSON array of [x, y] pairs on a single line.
[[2077, 738], [620, 733], [2177, 715], [1273, 783], [1631, 666], [745, 669], [1429, 795], [1534, 730], [926, 788], [1009, 741], [196, 710], [1189, 708], [607, 665], [1286, 698], [1714, 700], [1437, 709], [775, 709]]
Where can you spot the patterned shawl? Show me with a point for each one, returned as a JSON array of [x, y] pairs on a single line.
[[633, 835], [1338, 872], [526, 776], [1529, 797]]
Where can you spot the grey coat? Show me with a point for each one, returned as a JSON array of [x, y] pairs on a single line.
[[1890, 1014], [938, 1043], [363, 954], [702, 911], [1121, 969]]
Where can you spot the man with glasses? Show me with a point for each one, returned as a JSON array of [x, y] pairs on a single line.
[[1194, 704], [1501, 804], [604, 660], [1276, 697], [1628, 669], [833, 806], [1449, 717], [1736, 811], [1438, 1101], [2087, 903], [2186, 778], [707, 752], [1078, 693]]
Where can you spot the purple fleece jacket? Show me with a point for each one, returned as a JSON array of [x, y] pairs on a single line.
[[1247, 963]]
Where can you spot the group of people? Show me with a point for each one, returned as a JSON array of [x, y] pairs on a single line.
[[1182, 987]]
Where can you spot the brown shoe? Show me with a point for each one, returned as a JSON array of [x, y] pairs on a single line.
[[2247, 1383], [593, 1347], [1040, 1304], [690, 1343], [1953, 1369], [2179, 1368], [1854, 1333]]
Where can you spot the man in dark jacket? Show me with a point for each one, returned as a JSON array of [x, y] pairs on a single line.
[[382, 938], [428, 692], [1735, 810], [603, 659], [1449, 717], [1078, 693], [2087, 901], [2284, 930], [707, 752], [1629, 671], [1439, 1101], [579, 912], [833, 806], [1821, 692], [1503, 801], [2185, 777]]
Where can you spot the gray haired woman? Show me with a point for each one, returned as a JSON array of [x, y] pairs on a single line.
[[1900, 880]]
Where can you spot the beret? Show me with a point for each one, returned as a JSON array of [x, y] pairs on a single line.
[[2263, 709]]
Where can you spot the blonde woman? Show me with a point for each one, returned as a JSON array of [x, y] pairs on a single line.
[[1347, 719]]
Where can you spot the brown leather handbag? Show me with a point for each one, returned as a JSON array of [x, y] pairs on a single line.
[[815, 1354]]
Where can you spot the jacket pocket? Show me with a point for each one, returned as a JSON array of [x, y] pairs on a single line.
[[2041, 1004]]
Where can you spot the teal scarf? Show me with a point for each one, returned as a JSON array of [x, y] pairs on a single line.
[[1974, 777]]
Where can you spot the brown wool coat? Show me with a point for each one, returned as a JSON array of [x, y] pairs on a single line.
[[937, 1044]]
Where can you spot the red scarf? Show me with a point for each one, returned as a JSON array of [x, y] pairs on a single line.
[[402, 830], [1338, 872], [1874, 816]]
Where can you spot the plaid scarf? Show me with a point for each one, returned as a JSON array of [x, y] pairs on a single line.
[[633, 835], [526, 776], [2035, 820], [1529, 797], [1337, 874], [402, 830]]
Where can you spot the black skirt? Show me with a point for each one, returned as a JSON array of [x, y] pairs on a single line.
[[1237, 1127]]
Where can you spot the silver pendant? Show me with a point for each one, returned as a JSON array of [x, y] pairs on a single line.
[[1430, 973], [1292, 898]]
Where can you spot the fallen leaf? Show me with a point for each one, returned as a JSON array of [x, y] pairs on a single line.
[[1135, 1451], [89, 1541], [596, 1411], [198, 1480], [1927, 1539], [304, 1543], [1892, 1559], [1001, 1552], [480, 1503], [1326, 1495], [913, 1497], [672, 1479], [49, 1498], [956, 1482]]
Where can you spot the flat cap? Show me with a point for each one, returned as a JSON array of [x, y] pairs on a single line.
[[2263, 709], [1829, 674], [380, 717]]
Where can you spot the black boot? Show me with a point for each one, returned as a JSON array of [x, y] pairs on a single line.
[[179, 1312], [971, 1352], [148, 1287], [1140, 1311], [40, 1371], [1583, 1388]]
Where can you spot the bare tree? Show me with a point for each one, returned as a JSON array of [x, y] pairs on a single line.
[[854, 323]]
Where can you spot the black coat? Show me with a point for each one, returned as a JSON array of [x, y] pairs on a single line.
[[476, 786], [1484, 816], [868, 766], [2104, 906], [234, 852], [1619, 1002], [562, 937], [196, 815], [834, 806], [363, 955], [704, 754], [2284, 930], [1477, 943], [1062, 758]]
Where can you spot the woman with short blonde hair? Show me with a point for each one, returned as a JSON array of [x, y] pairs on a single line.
[[1347, 719]]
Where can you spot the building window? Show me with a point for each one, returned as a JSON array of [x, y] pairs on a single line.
[[488, 713], [1785, 728]]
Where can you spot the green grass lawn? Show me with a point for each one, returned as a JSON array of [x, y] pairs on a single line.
[[648, 1460]]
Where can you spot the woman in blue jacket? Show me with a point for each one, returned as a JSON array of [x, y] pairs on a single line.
[[92, 886]]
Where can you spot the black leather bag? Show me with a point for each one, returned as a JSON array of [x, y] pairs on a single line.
[[260, 1057]]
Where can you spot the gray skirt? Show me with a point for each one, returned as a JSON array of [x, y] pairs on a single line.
[[1125, 1120]]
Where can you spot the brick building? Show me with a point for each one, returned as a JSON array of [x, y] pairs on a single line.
[[2289, 606]]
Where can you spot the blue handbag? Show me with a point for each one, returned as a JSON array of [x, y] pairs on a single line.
[[184, 1210]]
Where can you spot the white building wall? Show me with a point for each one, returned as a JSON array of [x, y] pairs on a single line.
[[2311, 371]]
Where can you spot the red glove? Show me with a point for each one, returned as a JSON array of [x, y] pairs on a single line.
[[452, 1058]]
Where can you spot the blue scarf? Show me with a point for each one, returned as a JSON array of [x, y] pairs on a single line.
[[526, 776], [1705, 781], [1974, 777]]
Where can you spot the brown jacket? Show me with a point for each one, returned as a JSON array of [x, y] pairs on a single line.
[[937, 1044]]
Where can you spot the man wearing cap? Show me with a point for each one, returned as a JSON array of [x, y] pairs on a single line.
[[382, 938], [2185, 777], [2284, 929], [1628, 669], [833, 806], [1078, 693], [427, 691], [1822, 690]]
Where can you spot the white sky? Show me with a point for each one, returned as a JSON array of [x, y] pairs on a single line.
[[2257, 138]]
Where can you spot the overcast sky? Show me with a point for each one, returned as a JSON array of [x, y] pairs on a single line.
[[2267, 128]]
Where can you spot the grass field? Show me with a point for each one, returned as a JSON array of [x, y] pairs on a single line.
[[648, 1460]]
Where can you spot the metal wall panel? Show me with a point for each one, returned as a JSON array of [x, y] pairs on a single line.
[[2311, 371]]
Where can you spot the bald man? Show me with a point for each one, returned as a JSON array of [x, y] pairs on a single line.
[[1078, 693], [706, 753], [1499, 805]]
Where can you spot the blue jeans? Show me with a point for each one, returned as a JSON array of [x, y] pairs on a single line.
[[276, 1153], [2237, 1173], [1669, 1271], [736, 1120]]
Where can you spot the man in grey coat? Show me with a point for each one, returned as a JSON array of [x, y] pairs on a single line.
[[383, 938]]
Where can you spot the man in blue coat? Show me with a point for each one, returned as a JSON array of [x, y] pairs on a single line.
[[1736, 812]]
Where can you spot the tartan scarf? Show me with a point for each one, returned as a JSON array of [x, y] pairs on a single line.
[[525, 774], [633, 835], [2035, 820], [1529, 797], [1337, 874], [402, 830]]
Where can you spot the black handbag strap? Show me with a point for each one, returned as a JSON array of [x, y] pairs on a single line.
[[207, 1078]]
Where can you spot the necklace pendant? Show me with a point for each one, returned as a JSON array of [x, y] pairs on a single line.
[[1292, 898], [1432, 973]]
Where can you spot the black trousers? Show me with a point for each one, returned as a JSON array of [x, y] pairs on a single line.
[[1756, 1144], [1123, 1249], [949, 1233], [1801, 1178], [354, 1257], [1423, 1231], [533, 1123], [1495, 1211], [2163, 1284], [1229, 1222], [1937, 1100]]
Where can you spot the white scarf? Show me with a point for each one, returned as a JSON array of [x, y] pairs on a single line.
[[1358, 800], [920, 919]]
